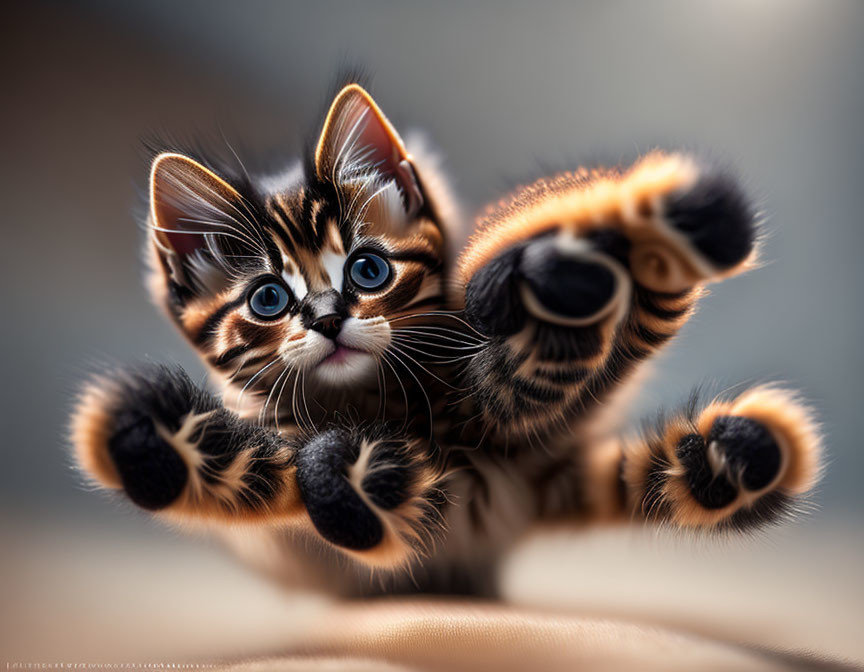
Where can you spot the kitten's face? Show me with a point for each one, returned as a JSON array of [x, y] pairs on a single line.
[[299, 279]]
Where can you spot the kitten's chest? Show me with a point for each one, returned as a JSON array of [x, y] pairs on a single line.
[[501, 486], [418, 404]]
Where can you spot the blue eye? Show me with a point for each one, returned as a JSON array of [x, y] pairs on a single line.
[[269, 300], [369, 271]]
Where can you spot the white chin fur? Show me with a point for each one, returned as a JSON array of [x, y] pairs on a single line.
[[357, 367]]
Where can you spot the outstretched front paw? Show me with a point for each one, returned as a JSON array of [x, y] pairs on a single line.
[[555, 278], [370, 493], [567, 251], [170, 446], [121, 433]]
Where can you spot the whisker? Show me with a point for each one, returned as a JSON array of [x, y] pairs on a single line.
[[440, 359], [440, 380], [420, 386], [453, 360], [382, 389], [386, 360], [296, 372], [416, 346], [305, 405], [295, 409], [263, 413], [412, 338], [439, 313], [249, 382], [447, 335]]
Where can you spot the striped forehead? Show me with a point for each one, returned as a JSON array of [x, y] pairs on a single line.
[[309, 242], [301, 221]]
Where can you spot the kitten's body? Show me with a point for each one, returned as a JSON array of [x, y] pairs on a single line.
[[395, 419]]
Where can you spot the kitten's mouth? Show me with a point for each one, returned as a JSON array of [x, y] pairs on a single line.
[[345, 366], [350, 357], [341, 355]]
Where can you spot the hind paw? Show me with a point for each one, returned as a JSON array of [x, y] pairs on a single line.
[[737, 465]]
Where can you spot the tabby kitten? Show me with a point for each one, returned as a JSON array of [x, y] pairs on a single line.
[[389, 412]]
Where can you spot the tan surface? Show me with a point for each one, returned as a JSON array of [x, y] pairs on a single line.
[[457, 636], [73, 594]]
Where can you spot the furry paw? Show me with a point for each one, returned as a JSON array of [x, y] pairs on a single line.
[[714, 217], [702, 230], [152, 472], [738, 465], [556, 279], [739, 455], [119, 432], [669, 224], [370, 494], [168, 445]]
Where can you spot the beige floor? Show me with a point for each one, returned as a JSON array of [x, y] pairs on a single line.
[[77, 593]]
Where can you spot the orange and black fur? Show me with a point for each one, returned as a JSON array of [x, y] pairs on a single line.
[[394, 419]]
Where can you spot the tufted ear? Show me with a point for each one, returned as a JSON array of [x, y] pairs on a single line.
[[196, 218], [357, 135]]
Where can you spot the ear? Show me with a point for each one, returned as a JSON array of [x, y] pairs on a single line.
[[193, 210], [356, 133]]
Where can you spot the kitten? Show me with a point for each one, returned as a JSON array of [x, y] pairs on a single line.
[[390, 411]]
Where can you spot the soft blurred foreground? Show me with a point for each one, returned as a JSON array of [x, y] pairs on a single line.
[[91, 594]]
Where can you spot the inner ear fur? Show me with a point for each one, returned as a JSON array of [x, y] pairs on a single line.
[[192, 210], [356, 131]]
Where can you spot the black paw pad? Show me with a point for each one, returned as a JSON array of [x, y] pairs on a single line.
[[716, 218], [492, 302], [749, 448], [152, 472], [713, 491], [336, 510], [564, 284], [742, 450]]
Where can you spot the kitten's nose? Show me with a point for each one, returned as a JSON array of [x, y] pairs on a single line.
[[328, 325], [324, 312]]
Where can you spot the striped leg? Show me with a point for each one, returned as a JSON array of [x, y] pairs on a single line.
[[579, 278], [175, 450], [731, 465]]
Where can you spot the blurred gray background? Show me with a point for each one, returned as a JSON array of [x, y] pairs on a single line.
[[505, 90]]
